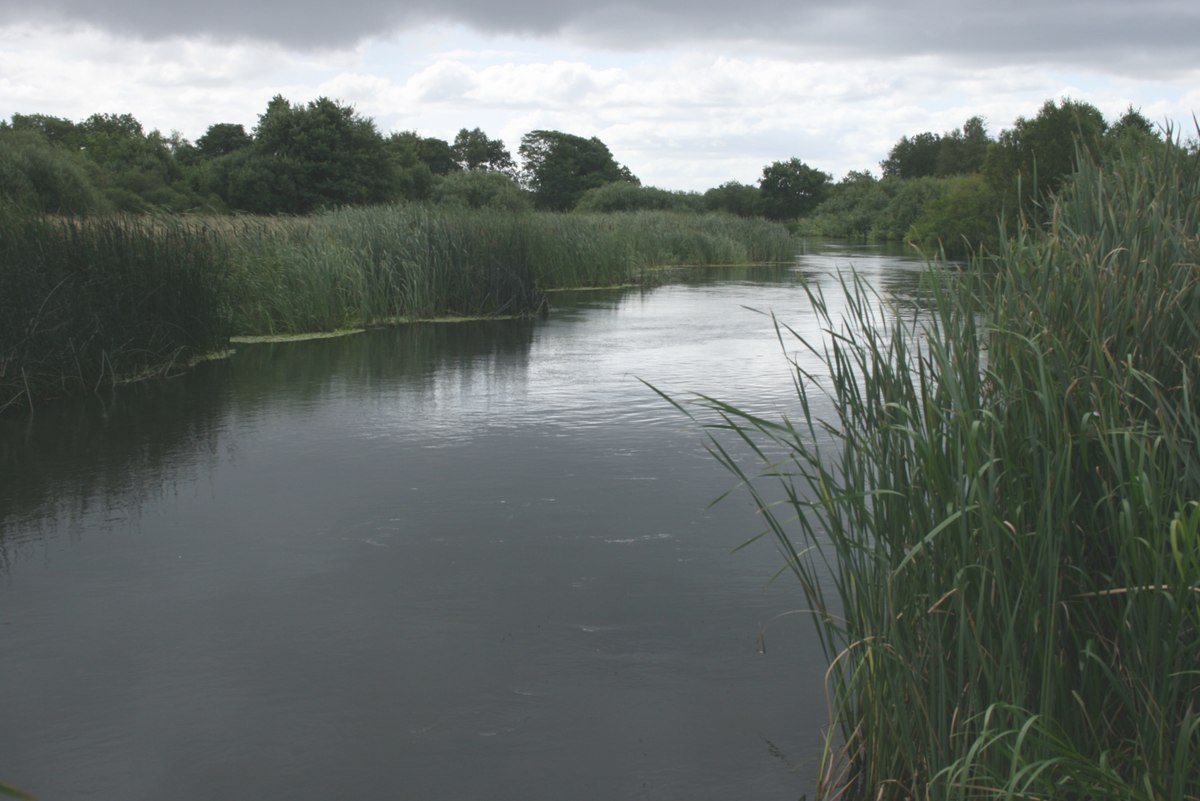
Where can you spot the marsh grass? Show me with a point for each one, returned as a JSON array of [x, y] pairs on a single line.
[[89, 302], [997, 528]]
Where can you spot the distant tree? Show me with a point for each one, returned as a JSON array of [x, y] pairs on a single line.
[[743, 200], [223, 138], [36, 176], [629, 196], [963, 220], [473, 150], [963, 151], [481, 189], [913, 157], [1040, 153], [559, 167], [852, 206], [55, 130], [791, 189], [305, 157]]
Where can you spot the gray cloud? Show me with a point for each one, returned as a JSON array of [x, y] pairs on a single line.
[[1113, 34]]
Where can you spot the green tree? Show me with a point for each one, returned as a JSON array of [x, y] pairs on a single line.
[[851, 206], [913, 157], [473, 150], [223, 138], [1040, 153], [964, 150], [36, 176], [306, 157], [481, 189], [964, 219], [741, 199], [791, 189], [629, 196], [559, 167]]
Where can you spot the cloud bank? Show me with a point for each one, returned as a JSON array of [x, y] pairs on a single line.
[[1144, 36]]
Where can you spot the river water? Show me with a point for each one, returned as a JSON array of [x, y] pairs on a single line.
[[436, 562]]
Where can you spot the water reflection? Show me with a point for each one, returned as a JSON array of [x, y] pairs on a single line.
[[350, 567]]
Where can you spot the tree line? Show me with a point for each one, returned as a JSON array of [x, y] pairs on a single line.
[[302, 157]]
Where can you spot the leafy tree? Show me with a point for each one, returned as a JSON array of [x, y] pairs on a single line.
[[559, 167], [743, 200], [55, 130], [473, 150], [629, 196], [481, 189], [307, 157], [223, 138], [964, 150], [1040, 153], [36, 176], [964, 219], [851, 207], [791, 189], [913, 157]]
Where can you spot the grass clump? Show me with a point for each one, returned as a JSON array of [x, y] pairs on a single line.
[[997, 528]]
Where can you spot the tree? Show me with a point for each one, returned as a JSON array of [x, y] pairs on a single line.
[[481, 189], [223, 138], [1040, 153], [735, 198], [559, 167], [964, 150], [791, 189], [308, 157], [913, 157], [473, 150]]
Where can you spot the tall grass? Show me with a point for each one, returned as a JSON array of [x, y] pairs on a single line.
[[86, 302], [997, 528], [89, 301]]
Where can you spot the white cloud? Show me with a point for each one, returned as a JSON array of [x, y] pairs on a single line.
[[681, 118]]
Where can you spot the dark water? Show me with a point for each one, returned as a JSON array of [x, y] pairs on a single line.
[[434, 562]]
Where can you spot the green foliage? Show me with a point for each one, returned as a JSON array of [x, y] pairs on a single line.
[[223, 138], [1032, 159], [961, 222], [791, 189], [996, 526], [852, 208], [932, 155], [35, 176], [734, 198], [629, 196], [481, 189], [473, 150], [559, 167]]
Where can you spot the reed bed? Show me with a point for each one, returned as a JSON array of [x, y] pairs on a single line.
[[91, 301], [997, 529]]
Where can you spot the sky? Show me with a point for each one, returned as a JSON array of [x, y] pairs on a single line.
[[688, 94]]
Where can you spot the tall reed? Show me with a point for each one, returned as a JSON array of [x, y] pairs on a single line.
[[997, 528]]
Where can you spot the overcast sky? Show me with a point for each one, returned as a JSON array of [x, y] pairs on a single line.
[[687, 93]]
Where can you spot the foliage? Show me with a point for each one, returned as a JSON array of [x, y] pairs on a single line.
[[35, 176], [852, 208], [473, 150], [629, 196], [1036, 155], [996, 527], [928, 154], [481, 189], [743, 200], [962, 221], [791, 189], [559, 167]]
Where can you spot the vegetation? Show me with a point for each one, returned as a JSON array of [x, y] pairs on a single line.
[[85, 302], [997, 527]]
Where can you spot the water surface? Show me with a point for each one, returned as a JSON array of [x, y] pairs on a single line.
[[429, 562]]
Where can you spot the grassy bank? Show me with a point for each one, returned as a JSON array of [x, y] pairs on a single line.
[[998, 528], [87, 302]]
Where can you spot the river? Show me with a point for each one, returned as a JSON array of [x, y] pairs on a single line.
[[437, 562]]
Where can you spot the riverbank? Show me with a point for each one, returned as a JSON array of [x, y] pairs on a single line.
[[88, 302], [998, 531]]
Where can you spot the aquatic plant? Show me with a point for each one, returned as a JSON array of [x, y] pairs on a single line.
[[997, 528]]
